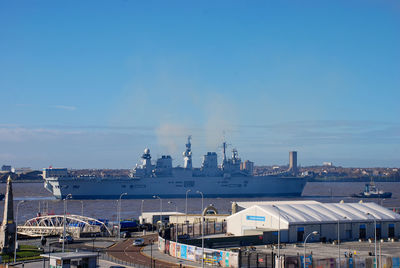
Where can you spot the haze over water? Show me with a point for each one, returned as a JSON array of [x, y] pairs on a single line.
[[90, 84], [37, 198]]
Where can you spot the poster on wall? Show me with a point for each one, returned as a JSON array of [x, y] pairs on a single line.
[[172, 251], [225, 259], [178, 250], [160, 243], [396, 262], [233, 260], [209, 256], [167, 247], [217, 257], [308, 261], [198, 254], [327, 263], [191, 256], [184, 251]]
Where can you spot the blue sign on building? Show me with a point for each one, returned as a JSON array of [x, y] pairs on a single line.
[[255, 218], [351, 263], [308, 261]]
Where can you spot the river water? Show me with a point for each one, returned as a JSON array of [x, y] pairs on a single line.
[[38, 199]]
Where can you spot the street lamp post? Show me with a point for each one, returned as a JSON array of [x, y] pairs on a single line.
[[64, 220], [338, 237], [156, 196], [380, 254], [202, 228], [141, 211], [279, 235], [186, 205], [375, 264], [176, 224], [119, 215], [16, 231], [81, 207], [305, 241], [151, 253]]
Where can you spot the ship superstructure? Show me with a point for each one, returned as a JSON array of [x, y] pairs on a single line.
[[162, 179]]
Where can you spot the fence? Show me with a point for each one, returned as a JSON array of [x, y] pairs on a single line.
[[194, 230], [256, 259], [192, 253], [106, 257], [253, 259]]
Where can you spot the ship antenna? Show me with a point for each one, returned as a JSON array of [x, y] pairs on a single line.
[[188, 144], [224, 151], [187, 154]]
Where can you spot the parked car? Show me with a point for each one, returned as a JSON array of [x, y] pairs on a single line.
[[184, 236], [68, 239], [138, 242], [146, 226], [125, 234]]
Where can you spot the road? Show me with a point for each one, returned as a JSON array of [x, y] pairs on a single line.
[[124, 250], [127, 252]]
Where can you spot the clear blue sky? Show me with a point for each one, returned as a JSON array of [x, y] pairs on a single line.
[[92, 83]]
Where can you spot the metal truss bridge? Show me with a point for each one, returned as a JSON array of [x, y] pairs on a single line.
[[48, 225]]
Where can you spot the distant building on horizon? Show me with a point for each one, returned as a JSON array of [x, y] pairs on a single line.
[[6, 168], [20, 170], [293, 162], [248, 166]]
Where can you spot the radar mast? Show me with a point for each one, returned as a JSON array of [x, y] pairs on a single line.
[[187, 154]]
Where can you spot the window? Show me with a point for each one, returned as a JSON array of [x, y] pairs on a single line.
[[300, 234], [378, 231], [362, 233], [391, 230]]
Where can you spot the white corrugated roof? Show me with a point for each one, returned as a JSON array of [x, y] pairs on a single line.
[[316, 212], [163, 213], [252, 203]]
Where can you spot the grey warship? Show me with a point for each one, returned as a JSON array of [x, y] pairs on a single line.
[[166, 181]]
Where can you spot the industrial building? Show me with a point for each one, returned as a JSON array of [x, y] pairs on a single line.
[[71, 259], [154, 217], [293, 162], [297, 219]]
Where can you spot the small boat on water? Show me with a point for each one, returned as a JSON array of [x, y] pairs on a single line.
[[372, 192]]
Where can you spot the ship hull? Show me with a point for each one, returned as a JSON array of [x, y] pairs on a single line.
[[170, 187], [383, 195]]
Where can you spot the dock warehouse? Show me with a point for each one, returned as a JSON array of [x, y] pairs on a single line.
[[154, 217], [296, 219]]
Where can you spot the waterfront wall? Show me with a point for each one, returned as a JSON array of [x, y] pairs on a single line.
[[192, 253], [251, 258]]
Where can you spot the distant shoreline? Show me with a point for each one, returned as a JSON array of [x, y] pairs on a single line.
[[332, 179], [25, 181]]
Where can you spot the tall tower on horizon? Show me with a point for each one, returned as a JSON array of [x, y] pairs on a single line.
[[293, 162], [8, 227]]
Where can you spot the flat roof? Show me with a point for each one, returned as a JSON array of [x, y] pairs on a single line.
[[69, 255]]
